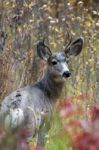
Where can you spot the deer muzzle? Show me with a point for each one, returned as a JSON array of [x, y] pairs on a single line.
[[66, 74]]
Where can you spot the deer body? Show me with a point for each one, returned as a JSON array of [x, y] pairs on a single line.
[[33, 105]]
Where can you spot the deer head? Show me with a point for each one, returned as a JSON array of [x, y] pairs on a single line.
[[58, 62]]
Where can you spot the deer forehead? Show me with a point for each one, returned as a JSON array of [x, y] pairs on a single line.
[[58, 56]]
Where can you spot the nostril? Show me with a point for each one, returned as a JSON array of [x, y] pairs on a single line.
[[66, 74]]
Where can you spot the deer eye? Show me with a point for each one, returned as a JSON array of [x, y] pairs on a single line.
[[54, 62]]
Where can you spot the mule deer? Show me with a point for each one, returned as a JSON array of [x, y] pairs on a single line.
[[32, 106]]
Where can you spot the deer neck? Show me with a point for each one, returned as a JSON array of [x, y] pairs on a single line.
[[52, 85]]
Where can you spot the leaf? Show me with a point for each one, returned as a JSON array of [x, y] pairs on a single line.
[[68, 109]]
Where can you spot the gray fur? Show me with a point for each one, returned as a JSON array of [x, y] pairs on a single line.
[[32, 107]]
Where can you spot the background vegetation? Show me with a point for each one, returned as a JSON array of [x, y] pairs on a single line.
[[22, 24]]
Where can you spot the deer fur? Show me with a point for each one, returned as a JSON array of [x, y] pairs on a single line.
[[32, 107]]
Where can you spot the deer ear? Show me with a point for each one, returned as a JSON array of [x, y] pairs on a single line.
[[43, 50], [75, 47]]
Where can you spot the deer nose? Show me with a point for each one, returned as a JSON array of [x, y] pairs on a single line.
[[66, 74]]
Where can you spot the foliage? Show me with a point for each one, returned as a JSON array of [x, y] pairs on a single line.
[[22, 24], [74, 130], [80, 132]]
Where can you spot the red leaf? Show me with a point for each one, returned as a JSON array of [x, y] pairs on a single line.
[[2, 134], [67, 109], [39, 148], [87, 141], [23, 145], [95, 113], [23, 133]]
